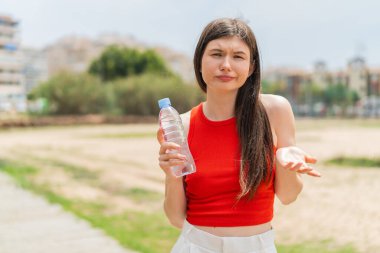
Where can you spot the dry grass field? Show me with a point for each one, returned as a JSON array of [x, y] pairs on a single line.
[[116, 165]]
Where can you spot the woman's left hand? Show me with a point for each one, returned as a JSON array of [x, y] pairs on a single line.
[[295, 159]]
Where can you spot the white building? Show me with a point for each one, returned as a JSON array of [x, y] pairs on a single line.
[[357, 73], [320, 75], [12, 91]]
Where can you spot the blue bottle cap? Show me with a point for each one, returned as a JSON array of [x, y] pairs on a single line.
[[165, 102]]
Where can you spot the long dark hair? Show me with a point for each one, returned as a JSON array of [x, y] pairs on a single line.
[[254, 130]]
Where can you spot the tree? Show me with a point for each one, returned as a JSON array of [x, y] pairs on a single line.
[[310, 93], [277, 88], [340, 95], [121, 62]]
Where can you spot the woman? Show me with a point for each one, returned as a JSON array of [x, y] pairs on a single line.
[[227, 205]]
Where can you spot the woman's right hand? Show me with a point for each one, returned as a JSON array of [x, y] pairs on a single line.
[[175, 199], [169, 159]]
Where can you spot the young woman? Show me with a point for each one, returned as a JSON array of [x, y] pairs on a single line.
[[243, 144]]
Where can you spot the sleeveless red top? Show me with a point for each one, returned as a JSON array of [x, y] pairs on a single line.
[[212, 190]]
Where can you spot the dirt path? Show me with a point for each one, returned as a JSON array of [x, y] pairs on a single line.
[[342, 206], [29, 224]]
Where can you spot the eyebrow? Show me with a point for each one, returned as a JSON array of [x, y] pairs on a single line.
[[219, 51]]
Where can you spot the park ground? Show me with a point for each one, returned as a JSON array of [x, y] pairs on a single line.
[[113, 170]]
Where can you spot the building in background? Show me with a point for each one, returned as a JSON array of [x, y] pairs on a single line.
[[358, 75], [12, 90], [35, 67], [320, 75], [291, 79], [339, 77], [374, 81]]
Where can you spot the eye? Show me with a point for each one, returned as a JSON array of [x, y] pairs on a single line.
[[216, 54], [239, 57]]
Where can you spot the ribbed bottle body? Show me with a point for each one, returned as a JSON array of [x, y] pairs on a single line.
[[171, 124]]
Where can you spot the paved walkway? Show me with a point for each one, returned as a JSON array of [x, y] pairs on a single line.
[[29, 224]]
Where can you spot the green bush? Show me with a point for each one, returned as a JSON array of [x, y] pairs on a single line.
[[69, 93], [73, 94], [138, 95]]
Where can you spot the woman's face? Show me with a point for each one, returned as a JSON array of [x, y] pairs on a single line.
[[226, 64]]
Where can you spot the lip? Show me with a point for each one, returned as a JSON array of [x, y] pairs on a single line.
[[225, 78]]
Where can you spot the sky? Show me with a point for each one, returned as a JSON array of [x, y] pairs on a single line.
[[294, 33]]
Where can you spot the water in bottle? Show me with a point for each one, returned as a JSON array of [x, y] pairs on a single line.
[[172, 126]]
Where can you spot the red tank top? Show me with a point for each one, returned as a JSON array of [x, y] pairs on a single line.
[[211, 192]]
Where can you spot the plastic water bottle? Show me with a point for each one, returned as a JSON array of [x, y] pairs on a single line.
[[172, 126]]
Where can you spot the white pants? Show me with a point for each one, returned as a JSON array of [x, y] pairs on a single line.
[[193, 240]]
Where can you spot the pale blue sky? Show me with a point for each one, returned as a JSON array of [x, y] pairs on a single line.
[[289, 32]]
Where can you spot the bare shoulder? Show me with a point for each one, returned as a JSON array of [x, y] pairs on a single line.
[[281, 118], [185, 117], [275, 104]]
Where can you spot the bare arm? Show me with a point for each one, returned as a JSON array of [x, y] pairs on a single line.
[[288, 184], [290, 160], [175, 198]]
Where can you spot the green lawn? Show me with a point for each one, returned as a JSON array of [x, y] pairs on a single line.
[[355, 162]]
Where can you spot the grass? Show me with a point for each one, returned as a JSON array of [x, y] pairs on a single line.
[[20, 173], [142, 232], [77, 172], [140, 195], [355, 162]]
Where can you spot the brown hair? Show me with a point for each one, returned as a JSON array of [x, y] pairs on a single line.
[[255, 135]]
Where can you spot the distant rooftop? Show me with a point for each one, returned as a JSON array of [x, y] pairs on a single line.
[[5, 19]]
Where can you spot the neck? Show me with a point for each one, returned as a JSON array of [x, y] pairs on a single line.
[[219, 107]]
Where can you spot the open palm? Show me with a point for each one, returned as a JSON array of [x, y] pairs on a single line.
[[295, 159]]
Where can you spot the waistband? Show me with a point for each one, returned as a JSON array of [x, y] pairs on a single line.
[[228, 244]]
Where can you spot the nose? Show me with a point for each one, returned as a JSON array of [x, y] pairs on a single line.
[[225, 64]]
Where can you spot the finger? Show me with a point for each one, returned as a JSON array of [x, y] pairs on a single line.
[[168, 146], [166, 165], [297, 166], [168, 156], [287, 165], [310, 159], [305, 170], [314, 173], [160, 135]]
